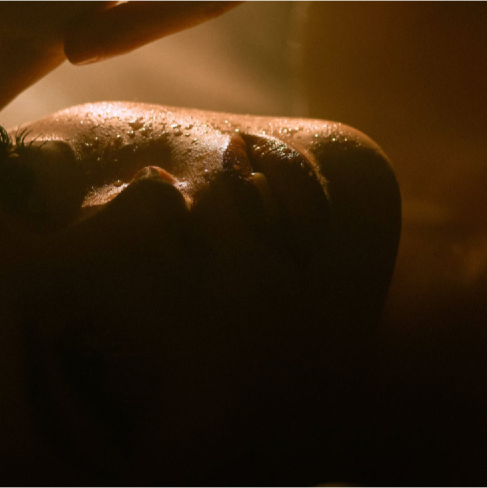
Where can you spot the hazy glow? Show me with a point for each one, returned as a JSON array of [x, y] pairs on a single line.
[[239, 62]]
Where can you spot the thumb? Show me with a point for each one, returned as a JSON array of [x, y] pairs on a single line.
[[130, 25]]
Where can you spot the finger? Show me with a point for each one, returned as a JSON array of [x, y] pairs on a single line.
[[131, 25]]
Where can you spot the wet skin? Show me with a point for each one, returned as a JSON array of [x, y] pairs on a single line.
[[187, 290]]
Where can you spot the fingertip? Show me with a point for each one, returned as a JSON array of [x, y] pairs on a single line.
[[82, 47], [131, 25], [101, 36]]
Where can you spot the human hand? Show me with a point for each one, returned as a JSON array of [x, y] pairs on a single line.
[[34, 37], [31, 40], [132, 24], [44, 23]]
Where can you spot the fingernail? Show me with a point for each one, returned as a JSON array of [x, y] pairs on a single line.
[[81, 53], [82, 62]]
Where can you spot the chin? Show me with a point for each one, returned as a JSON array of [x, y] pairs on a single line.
[[190, 289]]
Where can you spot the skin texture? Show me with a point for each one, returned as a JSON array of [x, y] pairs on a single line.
[[32, 38], [35, 38], [132, 24], [174, 318], [412, 78]]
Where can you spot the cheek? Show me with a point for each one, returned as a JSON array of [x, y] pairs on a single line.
[[155, 330]]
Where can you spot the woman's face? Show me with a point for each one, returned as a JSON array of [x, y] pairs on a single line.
[[183, 281]]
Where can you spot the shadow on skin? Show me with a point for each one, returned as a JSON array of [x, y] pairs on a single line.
[[203, 290]]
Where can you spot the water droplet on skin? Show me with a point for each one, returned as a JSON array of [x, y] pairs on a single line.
[[119, 136], [316, 135], [186, 134], [237, 130], [81, 122], [131, 133], [118, 183], [189, 126], [136, 124], [195, 139], [178, 133], [175, 126]]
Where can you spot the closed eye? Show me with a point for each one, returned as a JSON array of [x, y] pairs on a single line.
[[41, 184]]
